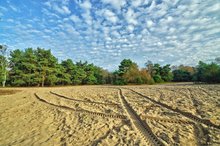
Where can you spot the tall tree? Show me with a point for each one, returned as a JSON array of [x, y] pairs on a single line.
[[183, 73], [125, 66], [46, 67], [68, 71], [16, 69], [166, 73], [132, 74], [3, 61], [29, 68], [150, 67], [24, 71], [129, 73]]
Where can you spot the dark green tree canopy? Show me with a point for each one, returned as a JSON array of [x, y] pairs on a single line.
[[38, 67]]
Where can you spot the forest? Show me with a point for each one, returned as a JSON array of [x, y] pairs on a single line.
[[39, 67]]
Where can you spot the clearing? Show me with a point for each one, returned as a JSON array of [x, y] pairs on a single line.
[[169, 114]]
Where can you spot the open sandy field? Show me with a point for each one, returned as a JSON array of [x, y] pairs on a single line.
[[175, 114]]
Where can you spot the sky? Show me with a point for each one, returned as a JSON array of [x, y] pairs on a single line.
[[104, 32]]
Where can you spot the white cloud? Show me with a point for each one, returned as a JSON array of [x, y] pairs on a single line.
[[213, 8], [14, 8], [74, 18], [10, 20], [3, 8], [136, 3], [115, 29], [62, 10], [66, 10], [130, 28], [87, 18], [86, 5], [152, 6], [169, 19], [117, 4], [48, 3], [109, 15], [150, 23], [130, 16]]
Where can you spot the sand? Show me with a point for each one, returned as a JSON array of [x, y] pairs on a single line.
[[169, 114]]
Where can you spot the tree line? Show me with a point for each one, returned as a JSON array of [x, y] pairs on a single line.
[[39, 67]]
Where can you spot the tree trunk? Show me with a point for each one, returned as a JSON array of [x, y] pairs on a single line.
[[43, 78], [4, 80], [3, 84]]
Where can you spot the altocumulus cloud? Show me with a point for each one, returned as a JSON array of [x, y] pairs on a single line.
[[106, 31]]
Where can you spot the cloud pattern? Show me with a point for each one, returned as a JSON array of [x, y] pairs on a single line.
[[106, 31]]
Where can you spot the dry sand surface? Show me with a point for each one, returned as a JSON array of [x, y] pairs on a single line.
[[174, 114]]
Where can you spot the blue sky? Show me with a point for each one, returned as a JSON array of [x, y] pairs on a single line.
[[104, 32]]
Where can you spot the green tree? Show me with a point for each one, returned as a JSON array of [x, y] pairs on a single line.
[[68, 69], [211, 73], [183, 73], [200, 69], [166, 73], [117, 79], [157, 73], [146, 76], [29, 68], [16, 68], [132, 74], [122, 76], [47, 64], [102, 76], [181, 76], [207, 72], [125, 66], [62, 76]]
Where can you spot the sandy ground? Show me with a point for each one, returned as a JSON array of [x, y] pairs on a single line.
[[175, 114]]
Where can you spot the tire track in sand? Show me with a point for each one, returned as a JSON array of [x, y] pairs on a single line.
[[78, 100], [81, 111], [141, 126], [186, 114], [163, 120]]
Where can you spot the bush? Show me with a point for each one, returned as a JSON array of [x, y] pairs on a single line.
[[157, 79]]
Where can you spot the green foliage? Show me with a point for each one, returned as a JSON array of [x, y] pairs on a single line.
[[166, 74], [183, 73], [33, 68], [66, 72], [209, 73], [181, 76], [46, 67], [125, 65], [159, 73], [40, 68], [18, 70], [129, 73], [158, 79]]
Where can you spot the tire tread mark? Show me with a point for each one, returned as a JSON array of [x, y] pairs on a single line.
[[177, 121], [141, 126], [62, 96], [81, 111], [186, 114]]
